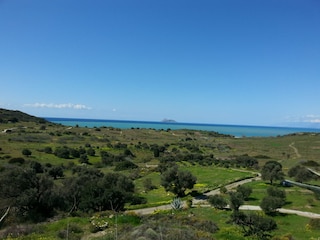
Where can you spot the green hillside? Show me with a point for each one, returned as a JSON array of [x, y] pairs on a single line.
[[59, 182], [11, 116]]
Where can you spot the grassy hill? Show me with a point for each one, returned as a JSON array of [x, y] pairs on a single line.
[[215, 160], [11, 116]]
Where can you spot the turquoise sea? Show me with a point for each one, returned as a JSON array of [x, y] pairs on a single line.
[[234, 130]]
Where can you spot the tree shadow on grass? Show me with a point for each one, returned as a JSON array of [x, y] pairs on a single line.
[[252, 199], [281, 214], [195, 194], [198, 196]]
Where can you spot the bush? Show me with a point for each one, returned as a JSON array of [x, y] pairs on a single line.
[[17, 160], [55, 172], [315, 223], [84, 159], [147, 184], [125, 165], [259, 226], [17, 231], [223, 190], [26, 152], [47, 150], [270, 204], [245, 191], [91, 152], [206, 225], [73, 232], [136, 200], [36, 166], [62, 152], [218, 201]]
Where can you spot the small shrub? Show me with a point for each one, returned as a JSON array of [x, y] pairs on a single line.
[[176, 204], [315, 223], [36, 166], [98, 224], [91, 151], [84, 159], [189, 203], [17, 231], [223, 190], [151, 234], [17, 160], [62, 234], [125, 165], [69, 234], [218, 201], [136, 200], [148, 185], [48, 150], [206, 225]]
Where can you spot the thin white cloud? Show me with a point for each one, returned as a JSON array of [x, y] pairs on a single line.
[[315, 120], [60, 106], [309, 118]]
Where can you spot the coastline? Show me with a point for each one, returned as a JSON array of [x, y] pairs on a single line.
[[234, 130]]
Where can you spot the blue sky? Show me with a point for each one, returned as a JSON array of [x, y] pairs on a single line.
[[249, 62]]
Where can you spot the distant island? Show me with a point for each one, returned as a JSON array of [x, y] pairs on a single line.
[[165, 120]]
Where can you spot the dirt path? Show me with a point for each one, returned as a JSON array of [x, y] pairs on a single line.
[[201, 200], [291, 145], [283, 210], [228, 187]]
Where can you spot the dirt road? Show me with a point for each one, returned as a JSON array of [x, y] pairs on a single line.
[[202, 202], [295, 150]]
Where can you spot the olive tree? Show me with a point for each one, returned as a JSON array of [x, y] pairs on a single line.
[[218, 201], [177, 181], [275, 199], [271, 171], [300, 173]]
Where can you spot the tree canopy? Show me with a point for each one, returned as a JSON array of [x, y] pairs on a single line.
[[271, 171], [275, 199], [300, 173], [177, 181]]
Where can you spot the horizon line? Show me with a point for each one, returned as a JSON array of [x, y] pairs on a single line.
[[315, 125]]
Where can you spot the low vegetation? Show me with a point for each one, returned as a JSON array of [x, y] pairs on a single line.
[[59, 182]]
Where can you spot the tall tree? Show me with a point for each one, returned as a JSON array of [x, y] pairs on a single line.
[[177, 181], [236, 200], [271, 171], [245, 191], [275, 199]]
